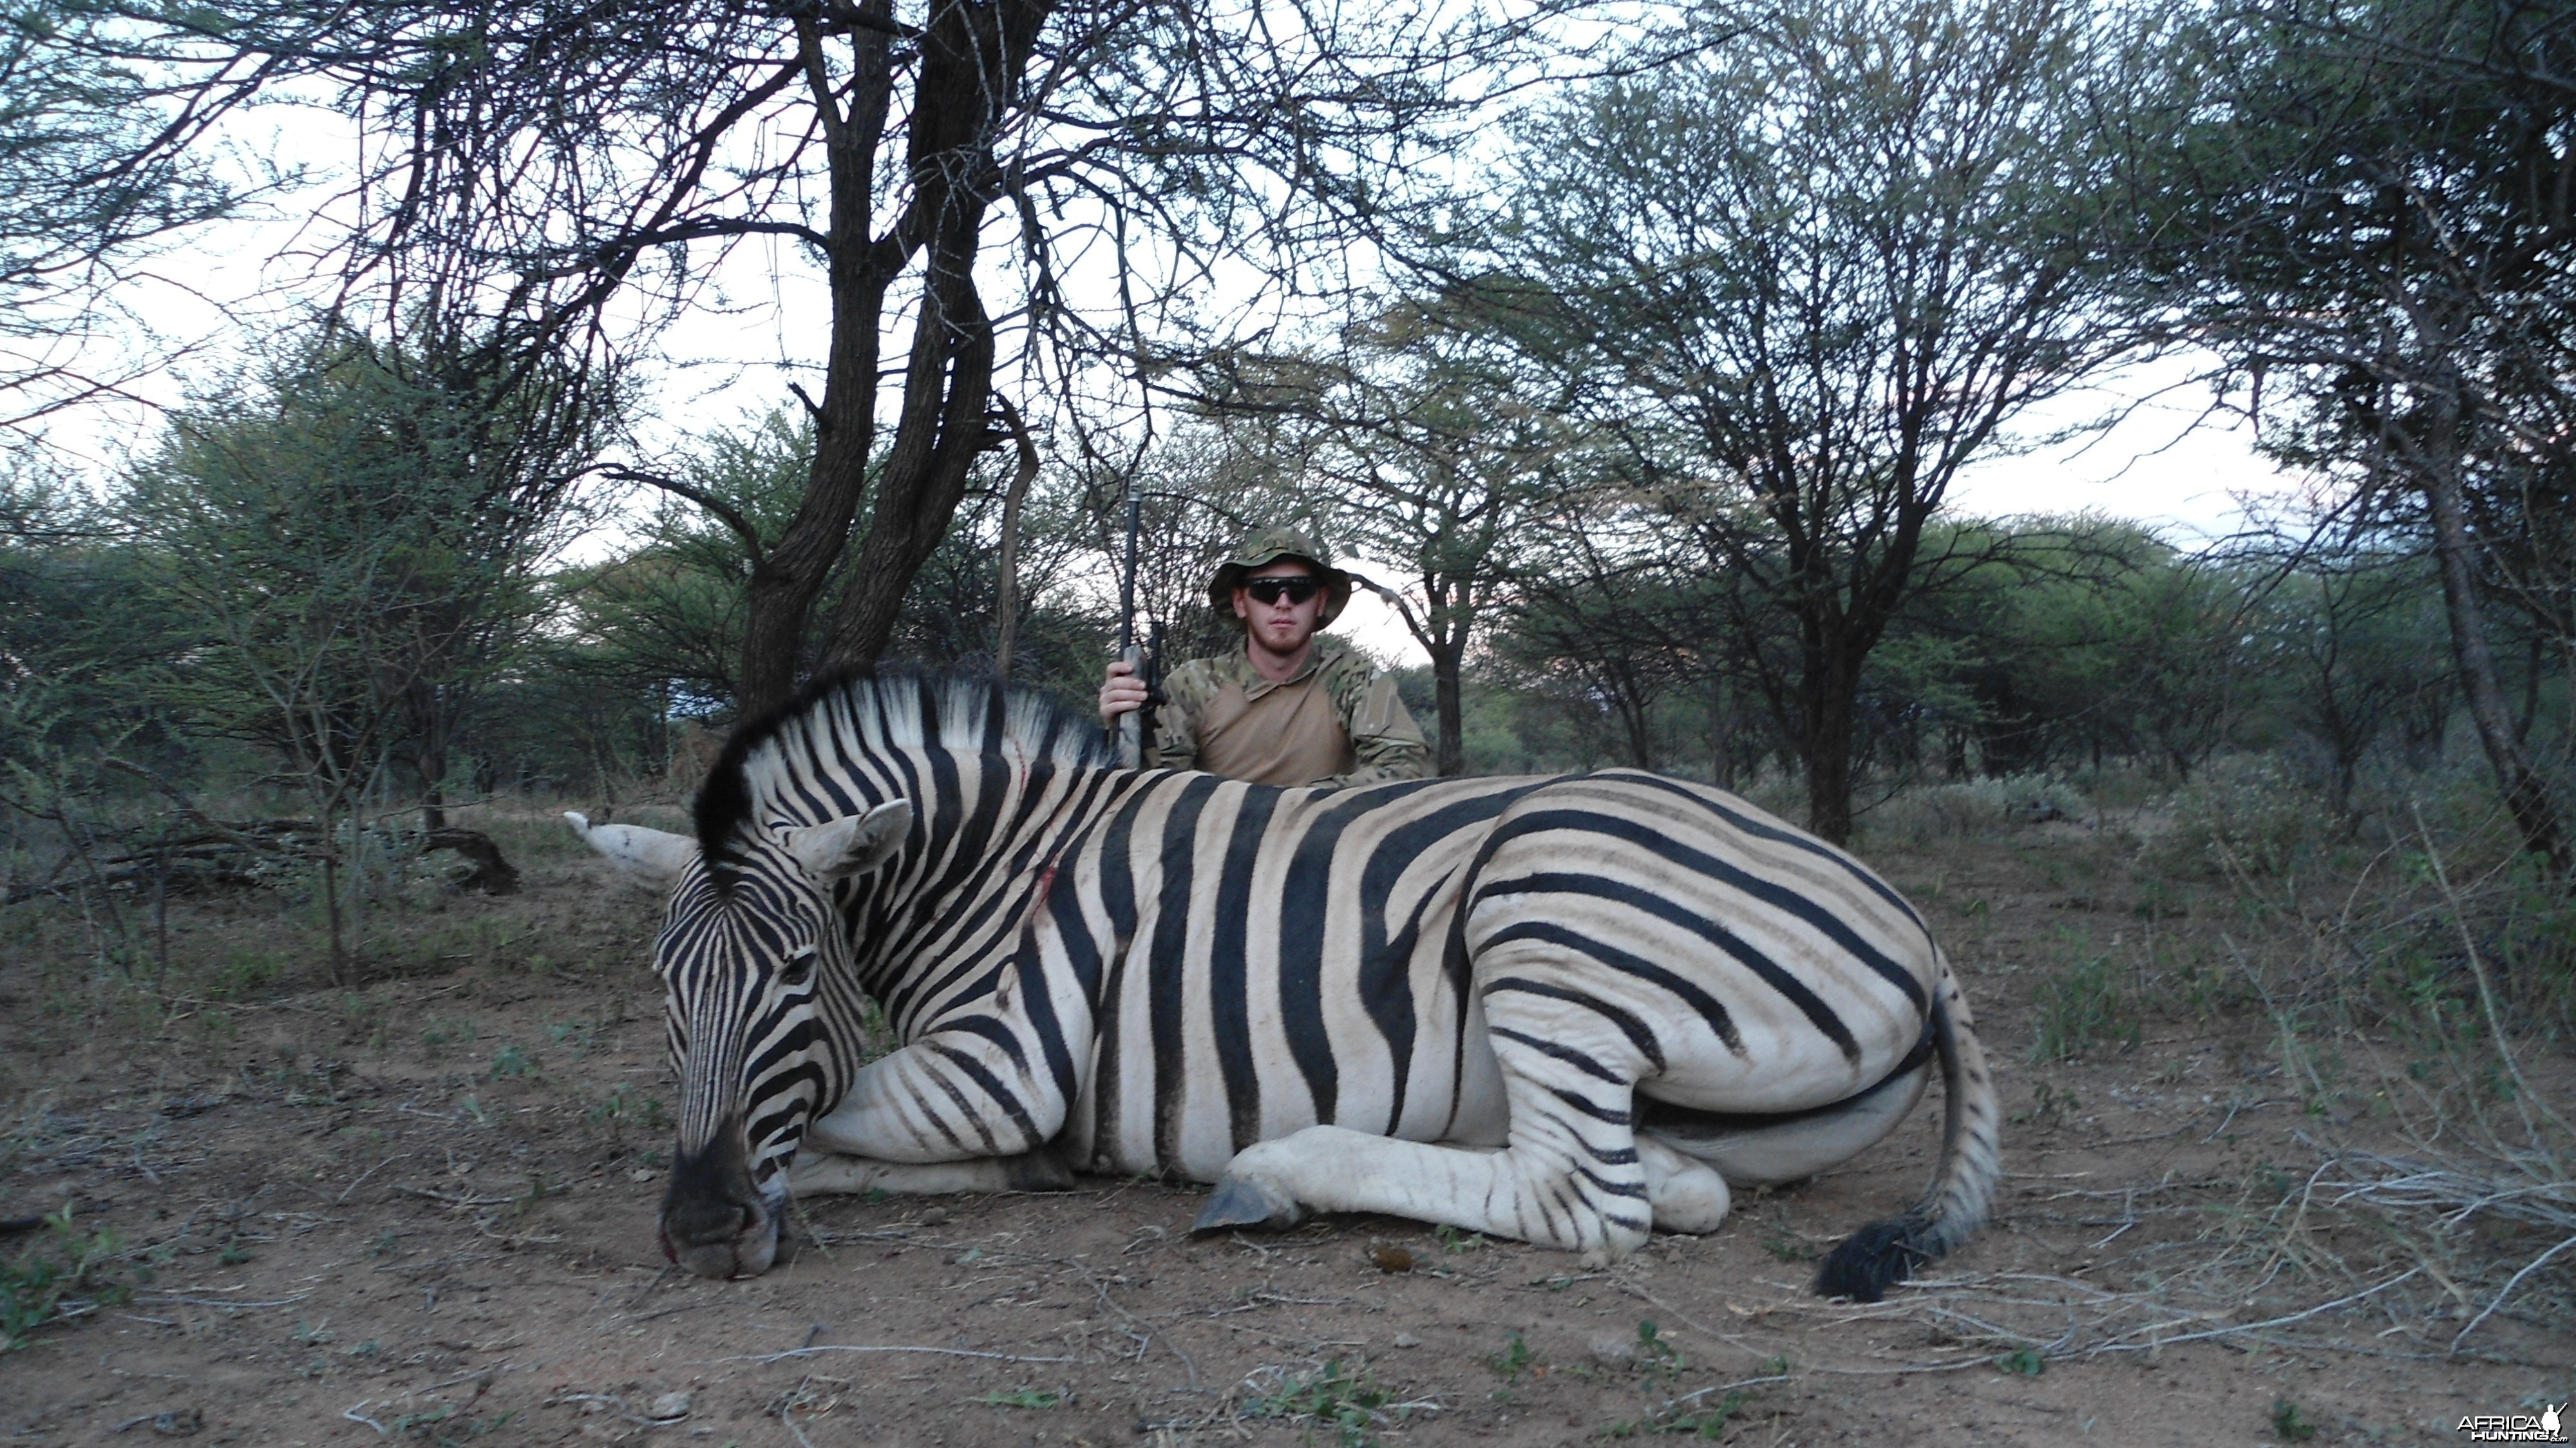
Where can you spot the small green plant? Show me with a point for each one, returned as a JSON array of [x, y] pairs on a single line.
[[370, 1350], [2049, 1107], [1453, 1240], [1513, 1360], [2022, 1362], [576, 1035], [450, 1032], [233, 1255], [2290, 1423], [244, 971], [1347, 1403], [1705, 1421], [2083, 1005], [1025, 1398], [1787, 1246], [512, 1063], [63, 1274], [1658, 1353]]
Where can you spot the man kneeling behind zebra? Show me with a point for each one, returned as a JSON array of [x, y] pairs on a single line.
[[1567, 1010]]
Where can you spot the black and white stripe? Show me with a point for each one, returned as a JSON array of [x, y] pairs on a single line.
[[1639, 987]]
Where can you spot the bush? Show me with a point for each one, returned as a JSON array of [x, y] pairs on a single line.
[[2242, 813], [64, 1273], [2084, 1004], [1973, 808]]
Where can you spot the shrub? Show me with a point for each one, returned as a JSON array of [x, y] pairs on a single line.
[[2079, 1006], [1972, 808], [2239, 814]]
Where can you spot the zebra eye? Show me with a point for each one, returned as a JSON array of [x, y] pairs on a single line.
[[798, 968]]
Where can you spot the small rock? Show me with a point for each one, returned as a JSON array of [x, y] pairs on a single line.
[[1614, 1352], [1391, 1259], [933, 1216], [183, 1423], [639, 1174], [670, 1406], [1406, 1339]]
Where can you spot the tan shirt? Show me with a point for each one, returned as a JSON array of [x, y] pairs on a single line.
[[1339, 722], [1290, 735]]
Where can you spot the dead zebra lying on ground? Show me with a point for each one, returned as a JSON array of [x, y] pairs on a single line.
[[1567, 1010]]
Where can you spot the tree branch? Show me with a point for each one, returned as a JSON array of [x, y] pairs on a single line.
[[723, 511]]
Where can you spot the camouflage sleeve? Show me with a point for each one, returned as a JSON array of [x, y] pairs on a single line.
[[1385, 742], [1186, 691]]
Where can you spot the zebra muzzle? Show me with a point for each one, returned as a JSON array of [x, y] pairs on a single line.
[[714, 1220]]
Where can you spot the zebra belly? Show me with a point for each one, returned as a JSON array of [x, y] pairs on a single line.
[[1452, 1092]]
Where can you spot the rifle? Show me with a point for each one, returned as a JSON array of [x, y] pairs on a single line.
[[1133, 729]]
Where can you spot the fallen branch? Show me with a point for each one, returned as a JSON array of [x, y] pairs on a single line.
[[798, 1352]]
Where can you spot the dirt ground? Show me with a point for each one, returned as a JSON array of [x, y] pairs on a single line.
[[422, 1210]]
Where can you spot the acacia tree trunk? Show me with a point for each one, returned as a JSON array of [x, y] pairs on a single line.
[[1829, 700], [1448, 704], [1452, 612], [972, 58], [430, 727], [2526, 792]]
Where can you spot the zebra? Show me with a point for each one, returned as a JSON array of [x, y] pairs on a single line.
[[1564, 1009]]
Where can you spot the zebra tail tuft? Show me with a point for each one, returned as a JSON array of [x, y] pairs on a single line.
[[1874, 1259], [1884, 1253]]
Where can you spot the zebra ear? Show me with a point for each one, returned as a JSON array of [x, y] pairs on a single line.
[[853, 844], [651, 857]]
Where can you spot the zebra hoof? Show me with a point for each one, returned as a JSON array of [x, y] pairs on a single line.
[[1237, 1203]]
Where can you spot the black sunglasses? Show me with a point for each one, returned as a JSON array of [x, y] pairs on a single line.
[[1271, 590]]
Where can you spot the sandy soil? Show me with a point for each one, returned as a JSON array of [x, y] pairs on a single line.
[[422, 1211]]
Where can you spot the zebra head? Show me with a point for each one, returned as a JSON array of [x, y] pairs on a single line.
[[757, 997]]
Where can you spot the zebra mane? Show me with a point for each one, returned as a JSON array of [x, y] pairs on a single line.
[[873, 709]]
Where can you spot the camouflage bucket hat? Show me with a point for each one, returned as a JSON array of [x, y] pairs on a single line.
[[1266, 547]]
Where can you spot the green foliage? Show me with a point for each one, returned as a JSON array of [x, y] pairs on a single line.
[[1453, 1240], [2243, 815], [1972, 809], [1512, 1360], [670, 610], [1690, 1419], [2082, 1004], [2022, 1362], [1657, 1350], [95, 175], [1350, 1404], [2290, 1422], [64, 1273], [1786, 1246], [1025, 1398]]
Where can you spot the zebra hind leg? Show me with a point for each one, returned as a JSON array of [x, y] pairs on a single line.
[[1573, 1175], [1687, 1195]]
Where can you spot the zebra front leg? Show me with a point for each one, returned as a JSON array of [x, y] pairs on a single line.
[[1571, 1177], [824, 1173], [954, 1097]]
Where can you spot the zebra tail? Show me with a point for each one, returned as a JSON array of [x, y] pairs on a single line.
[[1883, 1253]]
